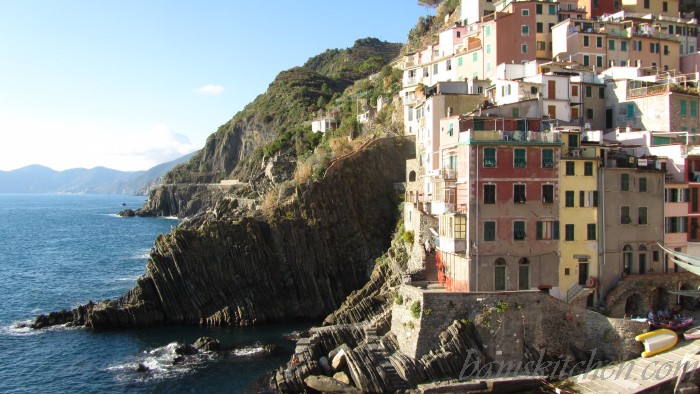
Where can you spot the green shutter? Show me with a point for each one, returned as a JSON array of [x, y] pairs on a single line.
[[539, 230], [581, 198], [555, 230]]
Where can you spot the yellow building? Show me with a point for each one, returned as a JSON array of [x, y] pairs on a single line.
[[578, 218]]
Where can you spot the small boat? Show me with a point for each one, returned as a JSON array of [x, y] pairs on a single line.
[[693, 333], [123, 204], [677, 324], [657, 341]]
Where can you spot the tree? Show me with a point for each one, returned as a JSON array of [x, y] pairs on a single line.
[[429, 3]]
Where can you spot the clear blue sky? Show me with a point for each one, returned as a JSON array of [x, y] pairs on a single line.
[[130, 84]]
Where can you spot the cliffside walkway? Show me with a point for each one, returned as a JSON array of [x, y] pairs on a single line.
[[640, 374]]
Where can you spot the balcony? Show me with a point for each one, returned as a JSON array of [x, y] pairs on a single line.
[[447, 173], [410, 81], [519, 137]]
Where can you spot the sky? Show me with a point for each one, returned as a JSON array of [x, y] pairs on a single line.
[[131, 84]]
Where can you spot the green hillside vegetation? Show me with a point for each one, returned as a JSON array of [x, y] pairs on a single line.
[[279, 119]]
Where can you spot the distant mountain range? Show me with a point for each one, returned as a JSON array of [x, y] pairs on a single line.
[[98, 180]]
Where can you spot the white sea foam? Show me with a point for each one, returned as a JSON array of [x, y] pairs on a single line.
[[21, 328], [162, 363], [132, 278], [248, 350]]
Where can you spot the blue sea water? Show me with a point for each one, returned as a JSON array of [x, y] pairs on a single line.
[[59, 251]]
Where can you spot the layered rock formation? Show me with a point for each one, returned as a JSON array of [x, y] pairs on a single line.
[[220, 269]]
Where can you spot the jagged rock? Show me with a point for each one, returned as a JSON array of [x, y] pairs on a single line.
[[142, 368], [342, 377], [252, 270], [325, 384], [338, 361], [207, 344], [52, 319], [185, 349], [127, 213], [334, 352]]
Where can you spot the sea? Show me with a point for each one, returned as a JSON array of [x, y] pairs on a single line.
[[60, 251]]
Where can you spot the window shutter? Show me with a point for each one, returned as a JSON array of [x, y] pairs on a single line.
[[539, 230], [555, 230]]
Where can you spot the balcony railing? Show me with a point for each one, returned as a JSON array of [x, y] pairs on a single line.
[[448, 173], [410, 81], [514, 136]]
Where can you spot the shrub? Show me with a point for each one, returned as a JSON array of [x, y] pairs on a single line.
[[415, 310], [408, 237], [398, 299]]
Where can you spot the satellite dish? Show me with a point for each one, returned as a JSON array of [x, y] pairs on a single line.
[[587, 126]]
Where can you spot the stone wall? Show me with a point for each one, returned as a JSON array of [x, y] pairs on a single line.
[[637, 294], [509, 324]]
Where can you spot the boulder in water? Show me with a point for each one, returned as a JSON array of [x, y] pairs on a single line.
[[207, 344], [127, 213], [325, 384], [52, 319], [185, 349], [142, 368]]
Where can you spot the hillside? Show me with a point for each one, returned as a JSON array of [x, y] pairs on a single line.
[[98, 180]]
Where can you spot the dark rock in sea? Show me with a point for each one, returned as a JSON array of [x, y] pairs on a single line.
[[142, 368], [318, 247], [127, 213], [178, 360], [185, 349], [207, 344], [52, 319]]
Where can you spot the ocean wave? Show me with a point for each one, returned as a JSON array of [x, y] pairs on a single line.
[[142, 254], [112, 215], [160, 363], [132, 278], [169, 217], [21, 328], [249, 350]]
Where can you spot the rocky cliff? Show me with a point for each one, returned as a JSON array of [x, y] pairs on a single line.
[[220, 268]]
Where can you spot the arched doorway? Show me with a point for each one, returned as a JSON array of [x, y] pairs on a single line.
[[412, 176], [642, 259], [627, 259], [689, 303]]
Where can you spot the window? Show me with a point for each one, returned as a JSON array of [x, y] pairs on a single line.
[[684, 109], [539, 27], [475, 57], [519, 230], [490, 231], [693, 108], [611, 45], [586, 40], [630, 111], [525, 30], [569, 199], [489, 156], [589, 91], [625, 215], [599, 42], [515, 112], [601, 92], [547, 194], [623, 46], [676, 224], [637, 45], [654, 47], [426, 71], [488, 48], [646, 3], [538, 9], [643, 184], [519, 194], [586, 60], [520, 158], [548, 230], [625, 182], [569, 232], [589, 113], [570, 168], [574, 91], [435, 68], [525, 12], [588, 168], [552, 10], [523, 48], [590, 232], [541, 45], [590, 198], [642, 215], [547, 158], [665, 6], [448, 64], [524, 274], [499, 274], [599, 61], [489, 194], [487, 31]]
